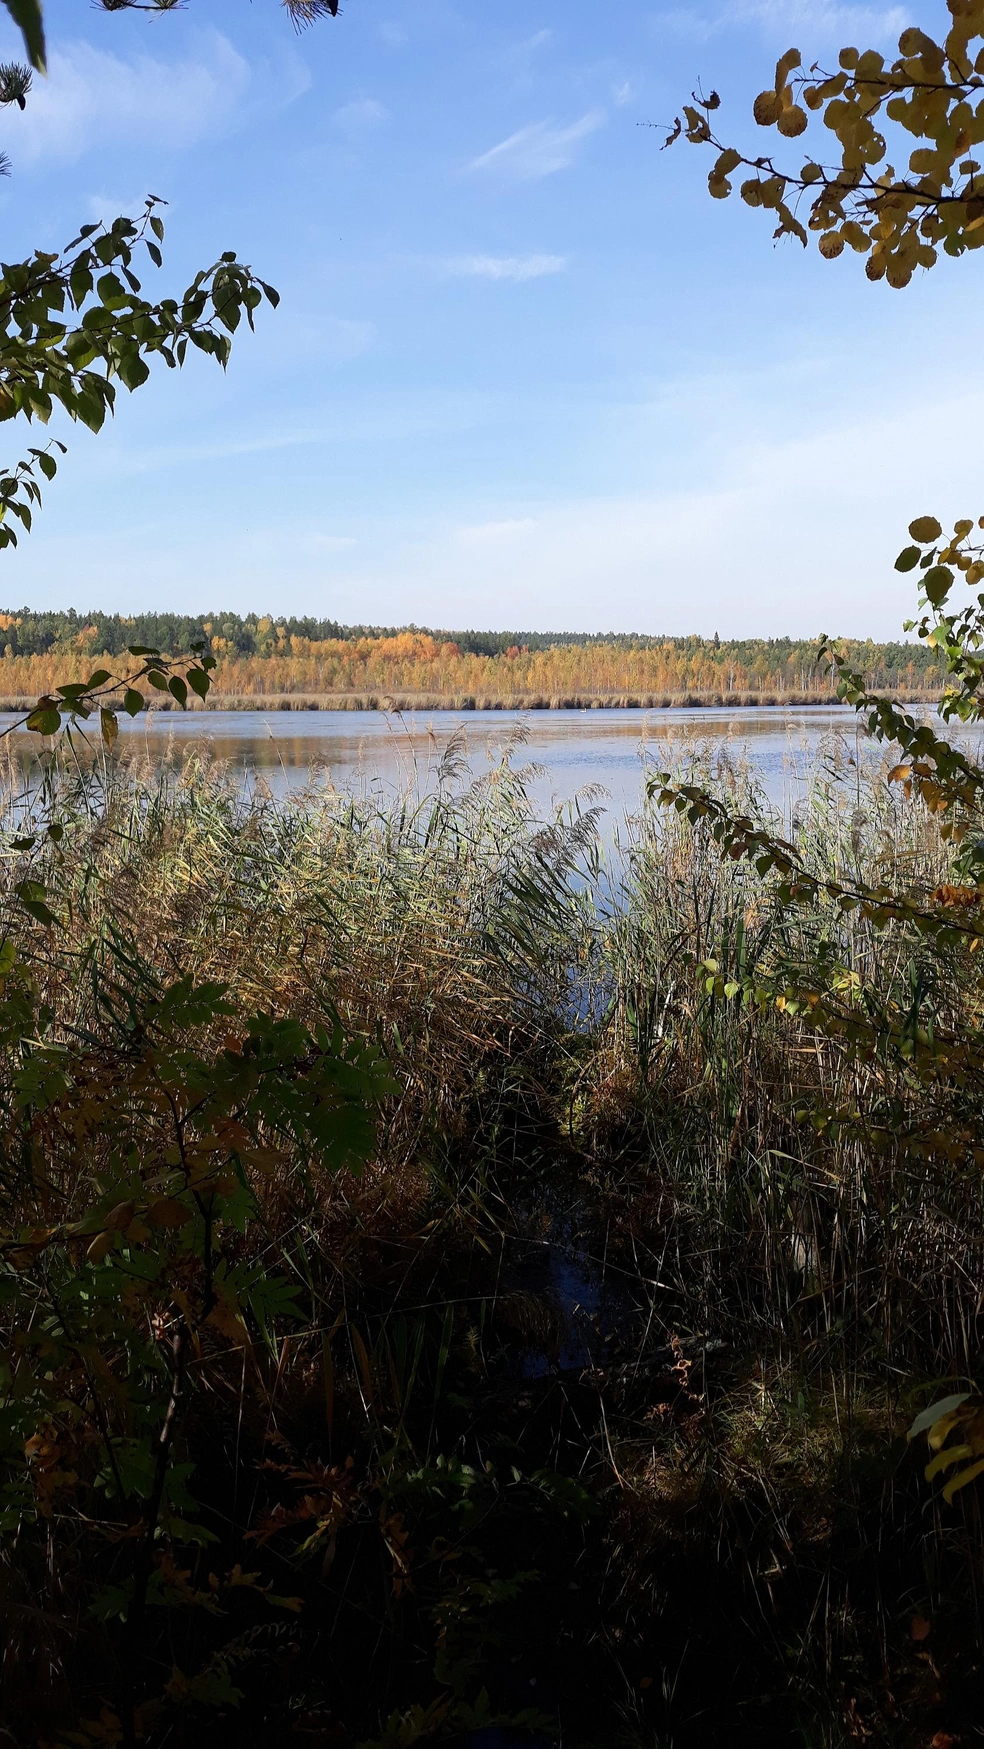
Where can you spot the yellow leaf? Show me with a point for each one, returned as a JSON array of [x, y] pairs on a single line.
[[119, 1217], [793, 122], [946, 1459], [238, 1577], [961, 1479], [784, 66], [940, 1431], [767, 108]]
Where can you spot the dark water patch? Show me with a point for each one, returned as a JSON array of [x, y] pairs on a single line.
[[559, 1307]]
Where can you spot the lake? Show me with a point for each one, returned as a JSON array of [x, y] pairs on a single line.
[[574, 749]]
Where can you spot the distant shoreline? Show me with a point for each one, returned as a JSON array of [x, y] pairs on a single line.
[[395, 704]]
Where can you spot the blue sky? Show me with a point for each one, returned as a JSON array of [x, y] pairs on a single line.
[[525, 373]]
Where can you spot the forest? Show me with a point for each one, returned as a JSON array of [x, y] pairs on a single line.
[[460, 1284], [306, 663]]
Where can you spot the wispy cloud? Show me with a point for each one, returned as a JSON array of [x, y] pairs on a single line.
[[825, 16], [814, 20], [107, 207], [92, 98], [515, 267], [539, 149], [360, 116], [393, 35], [496, 534]]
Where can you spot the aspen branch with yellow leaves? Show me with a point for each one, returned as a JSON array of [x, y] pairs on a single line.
[[898, 214]]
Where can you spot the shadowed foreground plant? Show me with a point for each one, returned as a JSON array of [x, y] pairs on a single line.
[[132, 1266]]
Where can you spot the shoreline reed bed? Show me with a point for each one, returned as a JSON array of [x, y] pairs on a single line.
[[610, 1348], [395, 703]]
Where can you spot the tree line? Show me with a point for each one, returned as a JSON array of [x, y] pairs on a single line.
[[725, 664]]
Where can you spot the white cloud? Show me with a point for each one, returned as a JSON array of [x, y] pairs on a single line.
[[107, 207], [359, 116], [823, 16], [495, 534], [623, 93], [325, 341], [517, 267], [539, 149], [393, 35], [92, 98], [752, 551], [814, 20]]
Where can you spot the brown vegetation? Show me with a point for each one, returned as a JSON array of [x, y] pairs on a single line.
[[412, 671], [606, 1334]]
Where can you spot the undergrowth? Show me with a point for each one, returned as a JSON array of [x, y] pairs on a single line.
[[572, 1398]]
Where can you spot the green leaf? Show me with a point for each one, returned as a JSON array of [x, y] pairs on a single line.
[[27, 16], [132, 370], [133, 702], [199, 681], [908, 559], [937, 584], [110, 291], [229, 314], [177, 688], [32, 896], [91, 409], [44, 720]]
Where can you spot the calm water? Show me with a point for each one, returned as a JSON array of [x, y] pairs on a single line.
[[574, 750]]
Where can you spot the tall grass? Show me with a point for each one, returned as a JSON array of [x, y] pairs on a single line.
[[768, 1298]]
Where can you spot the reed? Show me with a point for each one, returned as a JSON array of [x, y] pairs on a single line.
[[758, 1303]]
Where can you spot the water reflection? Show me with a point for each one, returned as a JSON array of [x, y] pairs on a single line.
[[363, 750]]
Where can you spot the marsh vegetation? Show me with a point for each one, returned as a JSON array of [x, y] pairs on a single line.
[[581, 1405]]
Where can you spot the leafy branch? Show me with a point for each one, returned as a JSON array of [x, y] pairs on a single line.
[[898, 219], [70, 326]]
